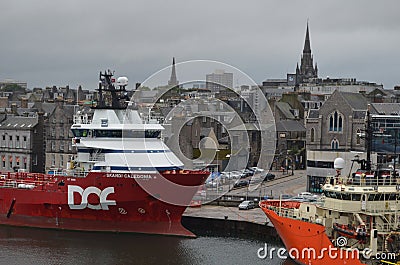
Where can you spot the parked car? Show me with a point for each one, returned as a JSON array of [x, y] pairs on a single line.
[[248, 172], [211, 184], [243, 175], [234, 175], [241, 183], [256, 169], [308, 195], [305, 194], [269, 176], [285, 196], [299, 199], [245, 205]]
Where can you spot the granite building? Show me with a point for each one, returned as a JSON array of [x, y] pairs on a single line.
[[22, 144], [334, 131]]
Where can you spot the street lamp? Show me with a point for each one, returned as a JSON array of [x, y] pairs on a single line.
[[229, 173], [395, 151], [217, 159]]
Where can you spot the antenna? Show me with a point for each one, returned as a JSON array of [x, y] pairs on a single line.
[[109, 95]]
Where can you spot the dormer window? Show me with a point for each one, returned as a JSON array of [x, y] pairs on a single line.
[[336, 122]]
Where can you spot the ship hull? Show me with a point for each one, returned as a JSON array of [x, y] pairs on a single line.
[[150, 203], [307, 243]]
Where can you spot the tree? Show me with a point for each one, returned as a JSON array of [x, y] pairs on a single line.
[[12, 88]]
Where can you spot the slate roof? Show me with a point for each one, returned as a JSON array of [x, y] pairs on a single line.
[[285, 108], [359, 114], [69, 110], [290, 126], [20, 123], [356, 100], [386, 108], [47, 108]]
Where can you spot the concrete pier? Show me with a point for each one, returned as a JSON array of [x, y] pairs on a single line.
[[255, 215], [253, 223]]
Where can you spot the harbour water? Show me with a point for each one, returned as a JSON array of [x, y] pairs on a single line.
[[41, 246]]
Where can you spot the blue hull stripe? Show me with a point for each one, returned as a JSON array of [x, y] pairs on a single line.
[[108, 151], [116, 168]]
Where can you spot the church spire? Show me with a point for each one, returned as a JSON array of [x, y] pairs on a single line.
[[307, 46], [173, 81], [307, 69]]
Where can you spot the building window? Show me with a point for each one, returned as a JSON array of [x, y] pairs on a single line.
[[358, 139], [336, 122], [335, 144], [61, 161], [10, 143], [17, 160], [312, 134], [24, 142], [3, 158]]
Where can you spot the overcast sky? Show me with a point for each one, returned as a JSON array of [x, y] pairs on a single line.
[[49, 42]]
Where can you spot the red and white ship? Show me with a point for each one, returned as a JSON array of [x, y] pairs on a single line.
[[123, 179]]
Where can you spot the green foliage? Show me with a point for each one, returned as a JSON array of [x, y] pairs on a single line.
[[12, 88]]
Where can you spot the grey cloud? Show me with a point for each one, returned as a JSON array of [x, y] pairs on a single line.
[[68, 42]]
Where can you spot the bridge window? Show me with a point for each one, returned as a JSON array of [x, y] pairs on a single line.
[[356, 197], [108, 133], [152, 133], [80, 132]]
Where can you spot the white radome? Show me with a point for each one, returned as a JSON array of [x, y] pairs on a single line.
[[122, 81], [339, 163]]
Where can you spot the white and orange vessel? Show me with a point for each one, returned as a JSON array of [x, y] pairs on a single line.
[[356, 214]]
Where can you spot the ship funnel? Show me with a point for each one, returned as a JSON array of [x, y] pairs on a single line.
[[339, 163]]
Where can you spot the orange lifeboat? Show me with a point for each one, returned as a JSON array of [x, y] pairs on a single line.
[[348, 231]]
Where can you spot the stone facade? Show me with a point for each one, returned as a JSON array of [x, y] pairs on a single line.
[[58, 136], [336, 124], [334, 131], [22, 144]]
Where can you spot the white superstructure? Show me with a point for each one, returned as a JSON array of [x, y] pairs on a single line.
[[115, 139]]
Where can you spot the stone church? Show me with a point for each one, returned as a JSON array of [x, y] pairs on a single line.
[[333, 131]]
